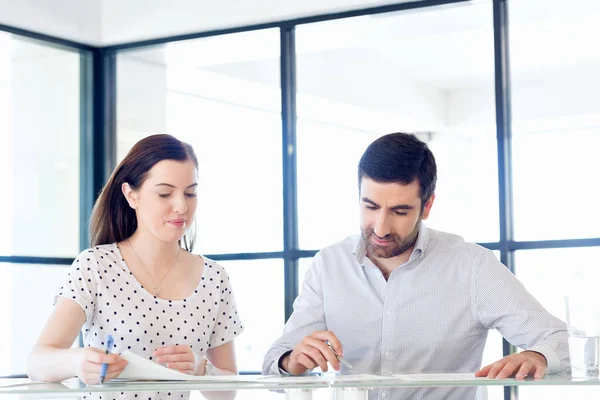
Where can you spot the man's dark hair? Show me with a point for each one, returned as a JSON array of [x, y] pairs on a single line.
[[400, 158]]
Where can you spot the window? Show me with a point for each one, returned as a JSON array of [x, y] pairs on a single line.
[[362, 77], [39, 156], [258, 290], [221, 95]]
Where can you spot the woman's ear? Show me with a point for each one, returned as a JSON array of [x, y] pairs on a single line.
[[130, 195]]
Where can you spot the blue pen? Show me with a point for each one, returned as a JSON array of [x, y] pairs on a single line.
[[109, 345]]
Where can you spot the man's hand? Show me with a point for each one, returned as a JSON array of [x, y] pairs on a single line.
[[526, 363], [313, 352]]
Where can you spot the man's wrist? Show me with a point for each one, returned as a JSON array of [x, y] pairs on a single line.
[[282, 363], [539, 355]]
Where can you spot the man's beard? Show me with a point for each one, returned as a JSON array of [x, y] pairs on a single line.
[[397, 247]]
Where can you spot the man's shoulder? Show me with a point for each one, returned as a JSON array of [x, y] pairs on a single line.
[[345, 246], [450, 242]]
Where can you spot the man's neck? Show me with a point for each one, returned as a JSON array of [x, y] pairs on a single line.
[[388, 265]]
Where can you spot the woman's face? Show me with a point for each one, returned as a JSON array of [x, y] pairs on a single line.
[[166, 202]]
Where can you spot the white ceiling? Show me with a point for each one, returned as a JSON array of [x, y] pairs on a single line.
[[109, 22], [446, 47]]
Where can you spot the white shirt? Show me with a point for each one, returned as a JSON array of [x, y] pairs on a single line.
[[115, 302], [432, 314]]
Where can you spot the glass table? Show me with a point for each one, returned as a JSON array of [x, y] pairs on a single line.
[[293, 388]]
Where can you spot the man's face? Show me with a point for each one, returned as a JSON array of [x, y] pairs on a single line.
[[390, 216]]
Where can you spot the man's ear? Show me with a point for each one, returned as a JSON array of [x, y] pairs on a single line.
[[130, 195], [428, 205]]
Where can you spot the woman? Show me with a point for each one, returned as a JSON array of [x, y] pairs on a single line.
[[137, 283]]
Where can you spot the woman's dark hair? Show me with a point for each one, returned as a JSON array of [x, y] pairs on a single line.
[[113, 220], [400, 158]]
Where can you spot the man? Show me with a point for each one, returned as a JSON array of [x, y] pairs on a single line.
[[403, 298]]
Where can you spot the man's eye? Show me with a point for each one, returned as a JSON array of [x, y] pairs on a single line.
[[371, 207], [401, 212]]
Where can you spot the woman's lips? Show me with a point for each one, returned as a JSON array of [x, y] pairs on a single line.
[[178, 223]]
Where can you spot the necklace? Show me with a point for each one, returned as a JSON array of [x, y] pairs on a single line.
[[156, 286]]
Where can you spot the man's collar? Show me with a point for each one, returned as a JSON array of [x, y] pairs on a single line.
[[422, 238]]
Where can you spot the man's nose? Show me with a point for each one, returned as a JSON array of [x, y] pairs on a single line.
[[381, 227]]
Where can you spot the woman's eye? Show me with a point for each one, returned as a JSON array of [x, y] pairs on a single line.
[[190, 194], [164, 195]]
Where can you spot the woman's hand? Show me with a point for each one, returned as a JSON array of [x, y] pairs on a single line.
[[180, 358], [88, 363]]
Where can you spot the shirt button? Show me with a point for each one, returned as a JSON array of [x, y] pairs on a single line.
[[383, 394], [386, 354], [388, 312]]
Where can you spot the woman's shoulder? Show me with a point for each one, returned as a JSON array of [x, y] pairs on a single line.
[[211, 268], [107, 252]]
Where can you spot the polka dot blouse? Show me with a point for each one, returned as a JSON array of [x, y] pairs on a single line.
[[115, 302]]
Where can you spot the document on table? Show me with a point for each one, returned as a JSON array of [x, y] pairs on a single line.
[[142, 369]]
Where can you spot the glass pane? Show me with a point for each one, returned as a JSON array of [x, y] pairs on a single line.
[[222, 95], [556, 117], [26, 315], [258, 290], [359, 78], [545, 273], [39, 155], [556, 266]]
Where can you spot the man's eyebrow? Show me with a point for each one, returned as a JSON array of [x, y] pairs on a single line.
[[367, 200], [402, 207], [395, 208], [171, 186]]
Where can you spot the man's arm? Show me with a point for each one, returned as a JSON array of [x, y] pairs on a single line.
[[307, 318], [501, 302]]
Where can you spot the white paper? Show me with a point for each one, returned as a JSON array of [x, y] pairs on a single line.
[[140, 368]]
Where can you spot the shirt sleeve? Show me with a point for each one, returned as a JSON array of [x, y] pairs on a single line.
[[308, 317], [81, 284], [501, 302], [228, 324]]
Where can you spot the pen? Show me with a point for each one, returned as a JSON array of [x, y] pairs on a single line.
[[109, 345], [341, 359]]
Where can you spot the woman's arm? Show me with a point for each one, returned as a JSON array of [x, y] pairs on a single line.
[[53, 359], [223, 358]]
